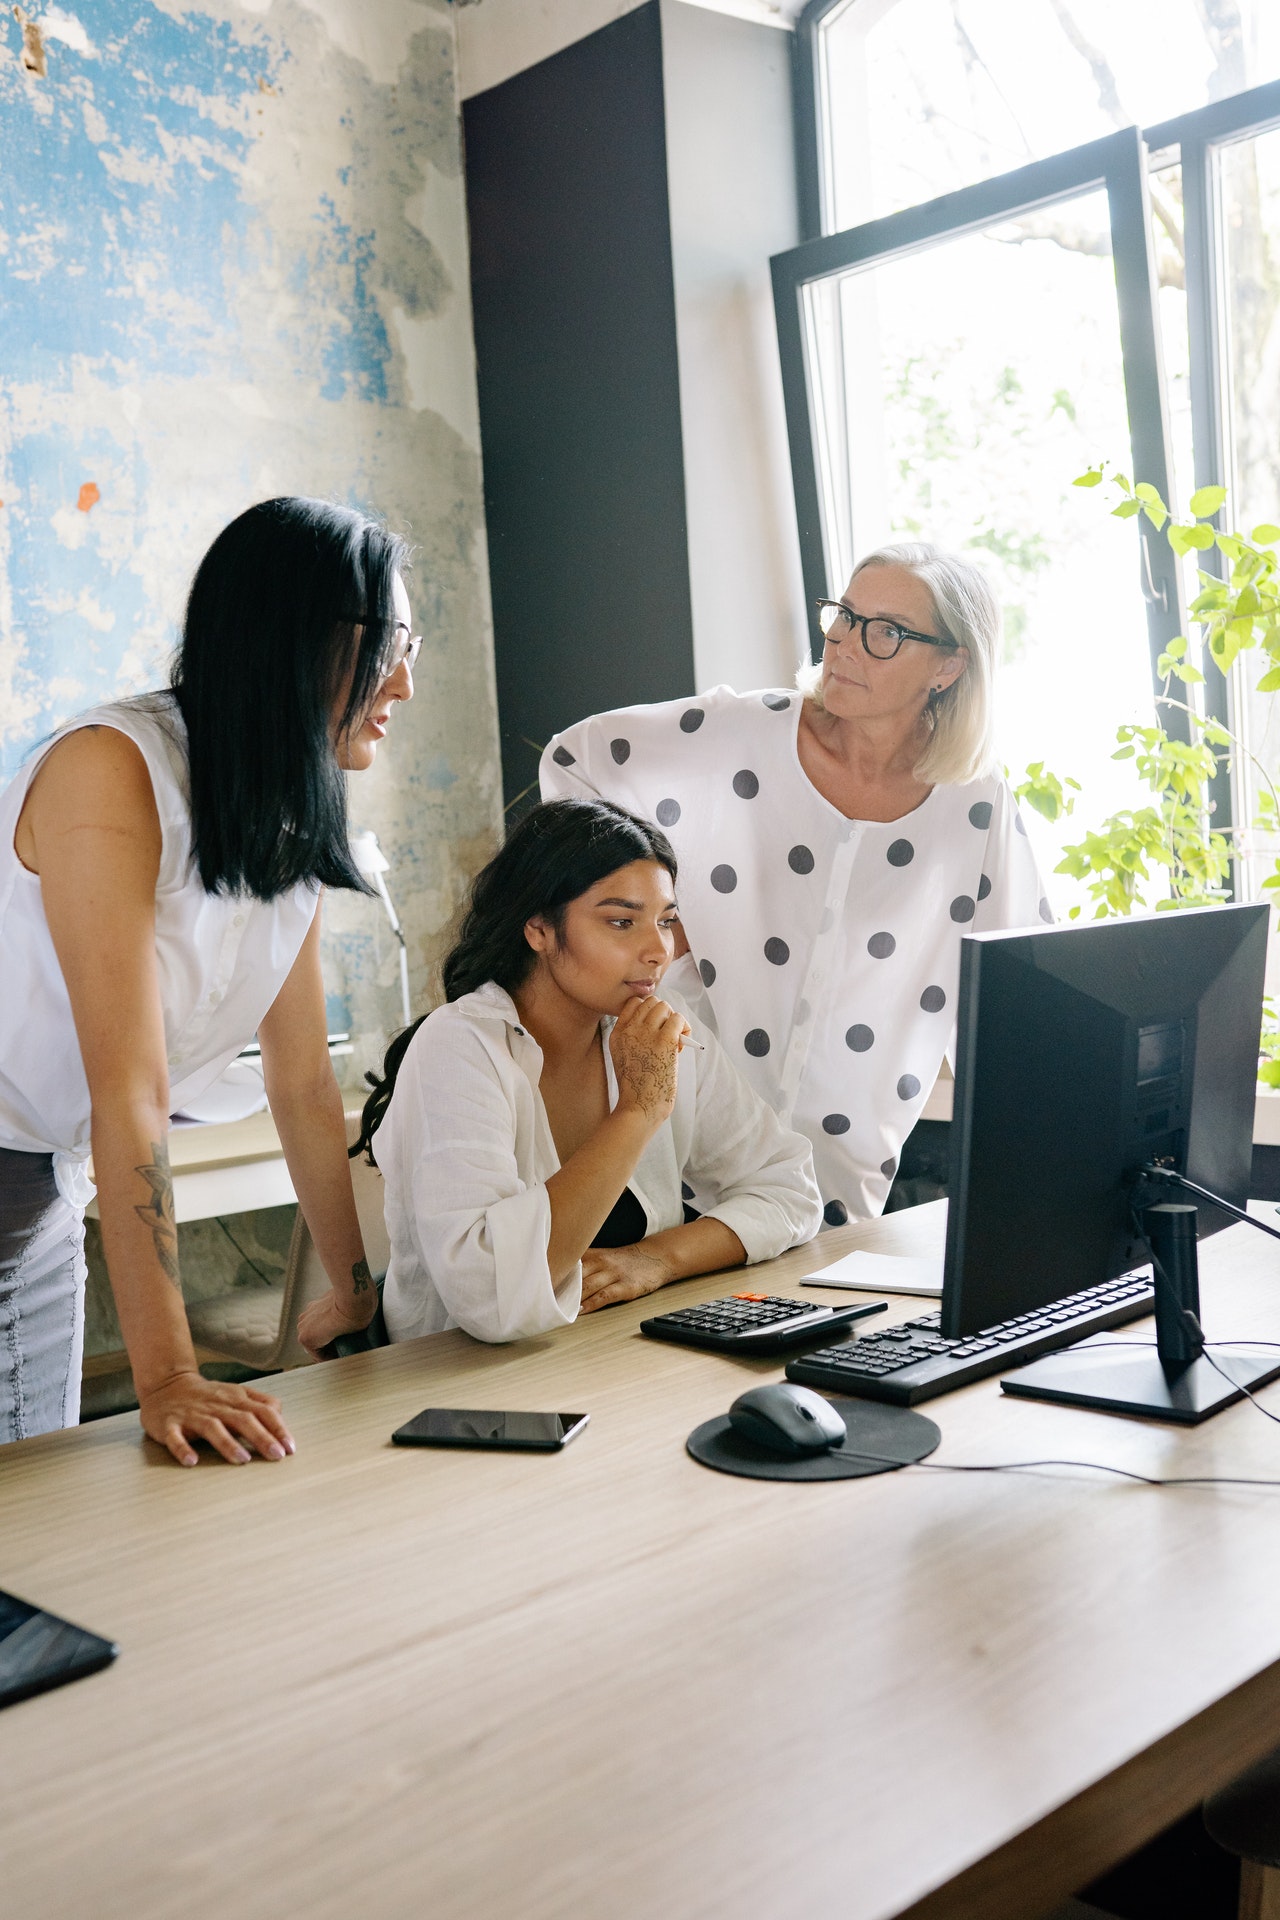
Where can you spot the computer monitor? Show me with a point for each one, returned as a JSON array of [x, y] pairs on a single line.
[[1083, 1053]]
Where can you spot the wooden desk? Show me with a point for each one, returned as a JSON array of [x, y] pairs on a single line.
[[397, 1683]]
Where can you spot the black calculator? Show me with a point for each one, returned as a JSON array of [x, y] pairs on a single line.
[[756, 1323]]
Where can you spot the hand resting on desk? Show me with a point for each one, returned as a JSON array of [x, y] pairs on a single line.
[[321, 1323], [613, 1274], [233, 1419]]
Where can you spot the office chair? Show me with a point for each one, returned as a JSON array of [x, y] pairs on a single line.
[[1245, 1819], [258, 1326]]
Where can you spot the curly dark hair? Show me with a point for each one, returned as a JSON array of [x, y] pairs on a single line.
[[555, 855]]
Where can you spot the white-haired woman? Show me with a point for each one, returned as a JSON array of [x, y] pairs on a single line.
[[834, 846]]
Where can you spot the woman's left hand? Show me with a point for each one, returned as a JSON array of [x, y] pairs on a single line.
[[322, 1322], [611, 1274]]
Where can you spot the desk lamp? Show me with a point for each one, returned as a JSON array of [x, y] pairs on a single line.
[[373, 863]]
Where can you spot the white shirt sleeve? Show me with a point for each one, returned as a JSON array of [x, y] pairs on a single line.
[[589, 761], [448, 1150], [759, 1173], [1017, 894]]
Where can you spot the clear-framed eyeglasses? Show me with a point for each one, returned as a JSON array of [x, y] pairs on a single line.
[[404, 651], [881, 638]]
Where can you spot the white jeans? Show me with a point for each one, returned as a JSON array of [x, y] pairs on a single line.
[[42, 1275]]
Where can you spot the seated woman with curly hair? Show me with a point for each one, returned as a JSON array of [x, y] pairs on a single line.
[[535, 1132]]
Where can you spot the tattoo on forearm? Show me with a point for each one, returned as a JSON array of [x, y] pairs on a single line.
[[361, 1278], [157, 1215]]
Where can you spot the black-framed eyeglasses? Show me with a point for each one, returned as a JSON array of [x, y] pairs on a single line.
[[881, 638]]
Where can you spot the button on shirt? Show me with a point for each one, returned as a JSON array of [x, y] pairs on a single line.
[[828, 948]]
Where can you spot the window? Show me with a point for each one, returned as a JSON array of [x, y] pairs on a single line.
[[920, 97], [1009, 281]]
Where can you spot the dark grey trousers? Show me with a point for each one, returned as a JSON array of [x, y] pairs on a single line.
[[42, 1276]]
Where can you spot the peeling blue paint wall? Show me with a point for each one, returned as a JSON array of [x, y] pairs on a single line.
[[233, 264]]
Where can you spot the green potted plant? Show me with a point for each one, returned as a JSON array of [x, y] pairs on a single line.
[[1171, 840]]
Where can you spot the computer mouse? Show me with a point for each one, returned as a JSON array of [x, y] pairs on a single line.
[[786, 1420]]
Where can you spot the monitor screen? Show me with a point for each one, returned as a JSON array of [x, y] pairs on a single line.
[[1083, 1052]]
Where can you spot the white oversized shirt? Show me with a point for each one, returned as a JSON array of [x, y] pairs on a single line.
[[221, 959], [829, 948], [465, 1148]]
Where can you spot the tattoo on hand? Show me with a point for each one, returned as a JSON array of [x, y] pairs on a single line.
[[361, 1278], [157, 1214]]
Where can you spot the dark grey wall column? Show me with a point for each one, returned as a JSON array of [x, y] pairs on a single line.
[[579, 388]]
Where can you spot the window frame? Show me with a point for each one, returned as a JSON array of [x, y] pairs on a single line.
[[1198, 136], [1117, 164]]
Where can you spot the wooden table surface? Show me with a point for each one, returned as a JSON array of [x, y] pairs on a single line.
[[382, 1682]]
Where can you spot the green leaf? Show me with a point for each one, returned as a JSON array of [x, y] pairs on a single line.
[[1126, 509], [1270, 682], [1091, 479], [1206, 500], [1179, 537], [1200, 536], [1264, 536]]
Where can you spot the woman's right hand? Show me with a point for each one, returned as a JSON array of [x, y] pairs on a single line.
[[645, 1046], [233, 1419]]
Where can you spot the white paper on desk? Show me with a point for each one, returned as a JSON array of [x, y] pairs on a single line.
[[234, 1095], [881, 1273]]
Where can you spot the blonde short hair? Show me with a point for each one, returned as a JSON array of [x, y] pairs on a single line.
[[961, 743]]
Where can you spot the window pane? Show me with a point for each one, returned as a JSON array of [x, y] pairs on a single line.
[[1248, 184], [921, 97], [956, 393]]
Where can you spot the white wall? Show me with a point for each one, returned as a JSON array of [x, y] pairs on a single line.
[[499, 38], [731, 179]]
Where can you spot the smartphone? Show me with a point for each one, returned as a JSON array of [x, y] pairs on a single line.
[[39, 1651], [461, 1427]]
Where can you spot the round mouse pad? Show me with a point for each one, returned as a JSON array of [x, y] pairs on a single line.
[[893, 1436]]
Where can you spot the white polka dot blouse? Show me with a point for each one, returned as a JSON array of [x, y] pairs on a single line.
[[828, 948]]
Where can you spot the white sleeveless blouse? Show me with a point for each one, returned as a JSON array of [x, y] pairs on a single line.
[[222, 959]]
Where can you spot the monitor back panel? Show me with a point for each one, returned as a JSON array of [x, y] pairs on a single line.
[[1083, 1052]]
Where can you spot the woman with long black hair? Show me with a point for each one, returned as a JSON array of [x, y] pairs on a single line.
[[161, 864], [535, 1132]]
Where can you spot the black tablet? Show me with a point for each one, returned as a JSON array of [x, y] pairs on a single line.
[[39, 1651]]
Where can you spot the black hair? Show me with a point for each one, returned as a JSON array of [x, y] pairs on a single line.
[[556, 854], [292, 601]]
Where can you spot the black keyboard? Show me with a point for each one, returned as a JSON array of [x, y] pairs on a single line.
[[756, 1323], [915, 1362]]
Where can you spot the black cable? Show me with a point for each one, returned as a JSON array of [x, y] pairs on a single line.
[[1088, 1466], [1154, 1172], [1248, 1392], [1190, 1320], [266, 1280]]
